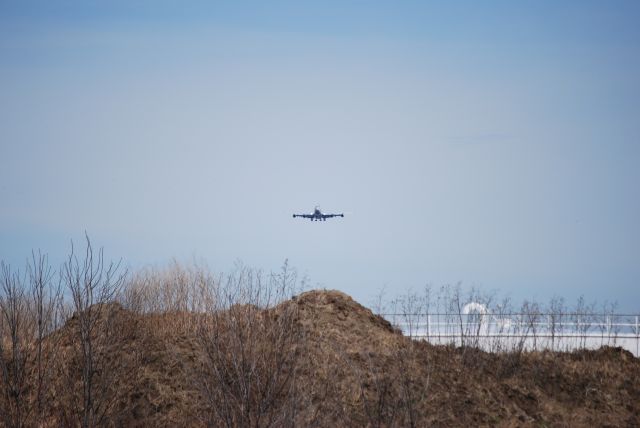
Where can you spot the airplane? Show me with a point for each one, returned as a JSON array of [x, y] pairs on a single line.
[[317, 215]]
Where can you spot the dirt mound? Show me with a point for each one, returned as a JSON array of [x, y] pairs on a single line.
[[335, 316], [355, 369]]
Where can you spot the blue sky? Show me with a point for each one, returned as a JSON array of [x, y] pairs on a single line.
[[485, 142]]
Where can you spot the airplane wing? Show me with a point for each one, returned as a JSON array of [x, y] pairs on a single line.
[[303, 215], [332, 215]]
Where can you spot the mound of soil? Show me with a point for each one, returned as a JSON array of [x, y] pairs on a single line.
[[355, 369]]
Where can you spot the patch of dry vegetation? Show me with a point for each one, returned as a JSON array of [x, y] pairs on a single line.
[[182, 347]]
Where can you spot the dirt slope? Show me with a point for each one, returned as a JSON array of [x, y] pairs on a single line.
[[354, 369]]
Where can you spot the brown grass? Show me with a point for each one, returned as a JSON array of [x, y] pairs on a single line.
[[344, 366]]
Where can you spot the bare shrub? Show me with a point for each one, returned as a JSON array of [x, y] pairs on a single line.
[[28, 314], [391, 387], [502, 333], [391, 392], [456, 302], [46, 299], [477, 312], [252, 347], [178, 288], [88, 367], [530, 317], [583, 317], [378, 393], [16, 332], [556, 316], [413, 384], [412, 311]]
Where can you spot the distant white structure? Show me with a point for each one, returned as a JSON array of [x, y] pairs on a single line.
[[480, 310], [474, 307], [475, 325]]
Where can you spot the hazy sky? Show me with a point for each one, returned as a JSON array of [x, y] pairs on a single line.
[[482, 142]]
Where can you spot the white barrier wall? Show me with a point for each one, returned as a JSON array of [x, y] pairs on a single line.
[[508, 332]]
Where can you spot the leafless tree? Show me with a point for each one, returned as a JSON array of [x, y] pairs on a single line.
[[583, 316], [612, 328], [532, 315], [252, 347], [412, 311], [428, 295], [502, 313], [556, 313], [28, 314], [46, 300], [527, 325], [604, 323], [379, 305], [455, 302], [92, 285], [16, 331], [478, 317]]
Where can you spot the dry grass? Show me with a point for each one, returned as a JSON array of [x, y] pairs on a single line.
[[242, 350]]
